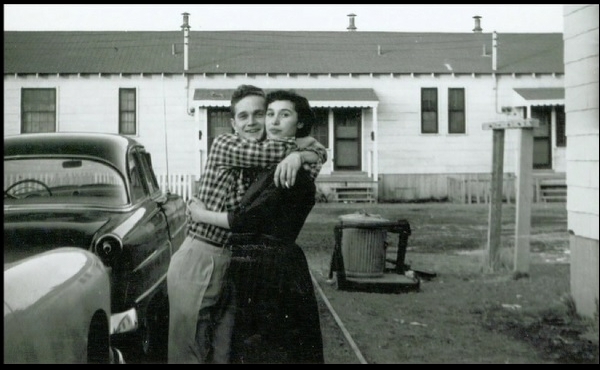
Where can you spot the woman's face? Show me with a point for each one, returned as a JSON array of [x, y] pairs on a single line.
[[282, 120]]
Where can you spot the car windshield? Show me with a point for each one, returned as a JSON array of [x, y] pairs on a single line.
[[62, 180]]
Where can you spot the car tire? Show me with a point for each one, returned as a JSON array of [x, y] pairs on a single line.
[[98, 346]]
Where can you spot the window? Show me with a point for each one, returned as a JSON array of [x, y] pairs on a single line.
[[429, 111], [127, 112], [561, 136], [320, 130], [148, 172], [456, 111], [38, 110], [135, 179]]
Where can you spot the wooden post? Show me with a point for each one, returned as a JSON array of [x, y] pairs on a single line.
[[524, 199], [524, 191], [495, 215]]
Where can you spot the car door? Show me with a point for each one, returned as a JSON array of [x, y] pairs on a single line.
[[173, 205], [149, 241]]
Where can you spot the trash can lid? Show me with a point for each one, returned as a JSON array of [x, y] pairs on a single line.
[[361, 219]]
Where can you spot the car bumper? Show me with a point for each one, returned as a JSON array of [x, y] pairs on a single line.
[[124, 322]]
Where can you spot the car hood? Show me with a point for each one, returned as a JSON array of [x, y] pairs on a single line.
[[29, 232]]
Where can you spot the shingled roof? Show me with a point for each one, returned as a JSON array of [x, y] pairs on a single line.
[[292, 52]]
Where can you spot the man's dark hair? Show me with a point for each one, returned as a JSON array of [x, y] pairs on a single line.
[[241, 92], [301, 105]]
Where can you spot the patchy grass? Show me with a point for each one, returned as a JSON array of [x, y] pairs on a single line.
[[463, 314]]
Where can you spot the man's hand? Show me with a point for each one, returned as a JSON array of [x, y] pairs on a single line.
[[286, 170], [194, 206], [305, 142]]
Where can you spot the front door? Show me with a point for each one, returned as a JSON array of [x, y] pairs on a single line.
[[218, 123], [542, 137], [347, 133]]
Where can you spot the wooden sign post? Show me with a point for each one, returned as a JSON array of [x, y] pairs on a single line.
[[524, 191]]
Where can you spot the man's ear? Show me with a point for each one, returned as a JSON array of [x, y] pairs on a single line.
[[232, 123]]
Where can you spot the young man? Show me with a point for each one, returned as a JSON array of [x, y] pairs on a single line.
[[278, 315], [201, 298]]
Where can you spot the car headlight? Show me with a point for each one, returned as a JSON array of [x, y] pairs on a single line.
[[108, 248]]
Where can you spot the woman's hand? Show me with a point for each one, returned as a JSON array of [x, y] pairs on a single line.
[[287, 169]]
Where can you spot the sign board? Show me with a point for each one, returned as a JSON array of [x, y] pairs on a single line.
[[513, 123]]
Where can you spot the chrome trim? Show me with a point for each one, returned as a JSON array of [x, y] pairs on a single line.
[[148, 260], [124, 322], [67, 207], [180, 230], [152, 288], [100, 239]]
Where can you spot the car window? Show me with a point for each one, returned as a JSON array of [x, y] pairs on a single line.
[[149, 177], [62, 180], [135, 179]]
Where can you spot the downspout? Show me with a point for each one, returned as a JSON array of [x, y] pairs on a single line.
[[494, 68], [375, 149]]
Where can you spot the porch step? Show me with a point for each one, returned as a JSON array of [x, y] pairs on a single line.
[[353, 194], [553, 190]]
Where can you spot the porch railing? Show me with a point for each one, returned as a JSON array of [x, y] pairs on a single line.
[[475, 188]]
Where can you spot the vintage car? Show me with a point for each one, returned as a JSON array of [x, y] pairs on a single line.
[[57, 309], [98, 192]]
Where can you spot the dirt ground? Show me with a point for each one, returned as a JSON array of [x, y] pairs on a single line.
[[461, 314]]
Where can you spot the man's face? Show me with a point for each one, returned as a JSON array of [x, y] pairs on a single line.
[[249, 119]]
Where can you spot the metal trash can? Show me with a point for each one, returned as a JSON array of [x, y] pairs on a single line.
[[363, 244]]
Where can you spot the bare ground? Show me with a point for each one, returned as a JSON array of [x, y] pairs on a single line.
[[462, 314]]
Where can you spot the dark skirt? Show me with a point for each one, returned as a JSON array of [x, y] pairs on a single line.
[[277, 316]]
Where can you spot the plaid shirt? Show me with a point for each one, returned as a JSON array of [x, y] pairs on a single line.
[[227, 176]]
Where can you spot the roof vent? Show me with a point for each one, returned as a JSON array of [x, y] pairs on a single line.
[[351, 26], [186, 21], [477, 28]]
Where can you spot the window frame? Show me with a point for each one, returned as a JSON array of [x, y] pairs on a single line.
[[452, 129], [127, 110], [31, 113], [424, 109]]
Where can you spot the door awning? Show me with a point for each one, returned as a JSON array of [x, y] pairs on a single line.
[[543, 95], [326, 98]]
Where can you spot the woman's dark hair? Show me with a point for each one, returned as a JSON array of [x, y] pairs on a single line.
[[301, 105], [241, 92]]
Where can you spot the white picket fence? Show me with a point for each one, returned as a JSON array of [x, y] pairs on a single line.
[[182, 184]]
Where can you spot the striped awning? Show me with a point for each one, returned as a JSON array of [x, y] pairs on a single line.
[[354, 98], [543, 95]]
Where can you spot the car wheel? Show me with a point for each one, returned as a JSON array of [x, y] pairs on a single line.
[[98, 348]]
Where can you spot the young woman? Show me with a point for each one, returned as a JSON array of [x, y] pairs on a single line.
[[201, 296], [277, 318]]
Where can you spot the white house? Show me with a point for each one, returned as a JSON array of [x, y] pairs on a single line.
[[581, 83], [400, 113]]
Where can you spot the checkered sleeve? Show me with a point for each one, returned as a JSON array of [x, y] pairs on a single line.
[[313, 169], [319, 149], [232, 151]]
